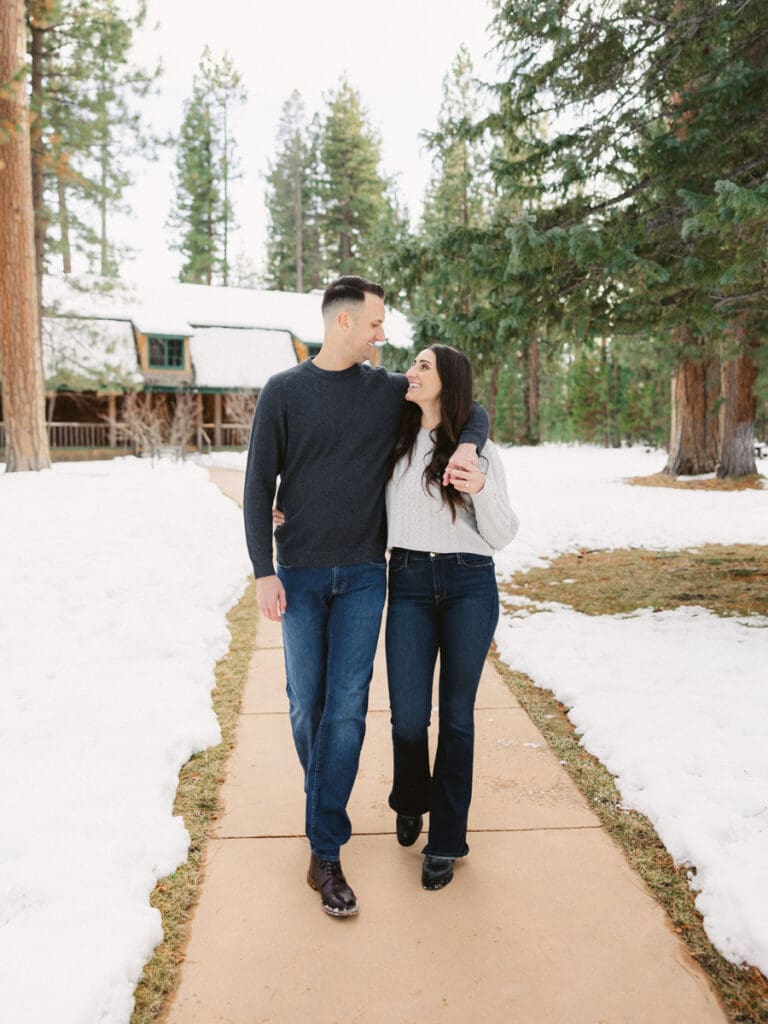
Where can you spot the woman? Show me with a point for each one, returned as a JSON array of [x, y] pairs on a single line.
[[442, 597]]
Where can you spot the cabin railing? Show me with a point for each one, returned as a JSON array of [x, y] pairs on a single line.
[[79, 435], [228, 435], [96, 435]]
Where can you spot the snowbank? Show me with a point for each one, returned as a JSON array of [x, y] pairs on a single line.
[[116, 580]]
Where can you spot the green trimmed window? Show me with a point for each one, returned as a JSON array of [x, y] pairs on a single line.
[[166, 353]]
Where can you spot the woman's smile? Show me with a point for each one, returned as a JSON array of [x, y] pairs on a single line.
[[424, 380]]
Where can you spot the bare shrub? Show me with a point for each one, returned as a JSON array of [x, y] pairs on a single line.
[[144, 423], [239, 409], [183, 423]]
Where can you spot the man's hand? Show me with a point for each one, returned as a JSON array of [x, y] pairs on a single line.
[[464, 453], [270, 595]]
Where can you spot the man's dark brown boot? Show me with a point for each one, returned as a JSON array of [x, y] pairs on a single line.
[[328, 879]]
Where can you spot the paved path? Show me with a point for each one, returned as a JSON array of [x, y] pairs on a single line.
[[544, 922]]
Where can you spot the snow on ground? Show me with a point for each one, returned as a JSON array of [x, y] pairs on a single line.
[[571, 497], [674, 704], [224, 460], [116, 577]]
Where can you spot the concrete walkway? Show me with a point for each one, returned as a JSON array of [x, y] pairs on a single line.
[[544, 922]]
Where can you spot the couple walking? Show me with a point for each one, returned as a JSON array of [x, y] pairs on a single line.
[[347, 441]]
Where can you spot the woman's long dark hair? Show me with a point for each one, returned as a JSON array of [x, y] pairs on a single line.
[[455, 373]]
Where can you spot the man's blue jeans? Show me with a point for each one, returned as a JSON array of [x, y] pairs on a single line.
[[330, 630], [450, 603]]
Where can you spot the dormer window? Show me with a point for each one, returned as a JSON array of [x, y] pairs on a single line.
[[166, 353]]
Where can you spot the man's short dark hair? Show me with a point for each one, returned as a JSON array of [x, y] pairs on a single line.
[[349, 289]]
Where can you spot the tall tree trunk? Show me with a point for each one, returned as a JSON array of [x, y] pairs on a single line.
[[38, 28], [21, 365], [66, 249], [531, 393], [345, 239], [614, 391], [737, 417], [298, 218], [493, 394], [104, 247], [209, 234], [694, 428], [104, 152], [605, 392], [225, 170], [211, 252]]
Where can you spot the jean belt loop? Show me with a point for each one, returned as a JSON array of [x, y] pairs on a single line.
[[405, 558]]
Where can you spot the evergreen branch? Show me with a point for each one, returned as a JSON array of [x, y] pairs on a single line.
[[729, 300]]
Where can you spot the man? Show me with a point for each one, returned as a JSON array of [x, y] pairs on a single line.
[[326, 428]]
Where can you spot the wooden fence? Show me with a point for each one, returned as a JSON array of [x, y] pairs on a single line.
[[96, 435]]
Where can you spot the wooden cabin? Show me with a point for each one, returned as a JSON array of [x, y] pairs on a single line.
[[182, 350]]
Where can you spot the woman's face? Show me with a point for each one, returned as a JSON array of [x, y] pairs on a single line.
[[424, 385]]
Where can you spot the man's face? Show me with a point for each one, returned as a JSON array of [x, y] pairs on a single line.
[[366, 327]]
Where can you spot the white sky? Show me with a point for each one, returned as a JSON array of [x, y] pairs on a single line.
[[395, 56]]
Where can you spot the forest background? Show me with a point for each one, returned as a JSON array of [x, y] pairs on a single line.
[[593, 232]]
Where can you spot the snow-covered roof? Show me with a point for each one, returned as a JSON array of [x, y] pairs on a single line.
[[231, 358], [174, 308], [89, 353]]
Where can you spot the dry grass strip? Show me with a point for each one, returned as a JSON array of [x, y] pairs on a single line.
[[728, 579], [197, 799], [743, 991], [754, 482]]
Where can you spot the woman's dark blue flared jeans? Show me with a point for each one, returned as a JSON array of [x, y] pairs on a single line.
[[330, 630], [450, 604]]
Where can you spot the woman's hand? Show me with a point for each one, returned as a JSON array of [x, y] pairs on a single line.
[[278, 517], [466, 478]]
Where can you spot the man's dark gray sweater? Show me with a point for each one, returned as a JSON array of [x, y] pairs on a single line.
[[328, 435]]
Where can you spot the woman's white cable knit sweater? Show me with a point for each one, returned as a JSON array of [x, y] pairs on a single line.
[[420, 520]]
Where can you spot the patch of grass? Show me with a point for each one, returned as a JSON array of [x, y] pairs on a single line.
[[729, 580], [753, 482], [744, 991], [197, 800]]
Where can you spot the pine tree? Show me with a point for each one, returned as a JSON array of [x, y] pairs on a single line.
[[330, 208], [457, 190], [294, 261], [199, 209], [203, 215], [84, 92], [653, 116], [733, 224], [226, 87], [351, 189], [441, 270], [391, 232], [476, 277], [23, 394]]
